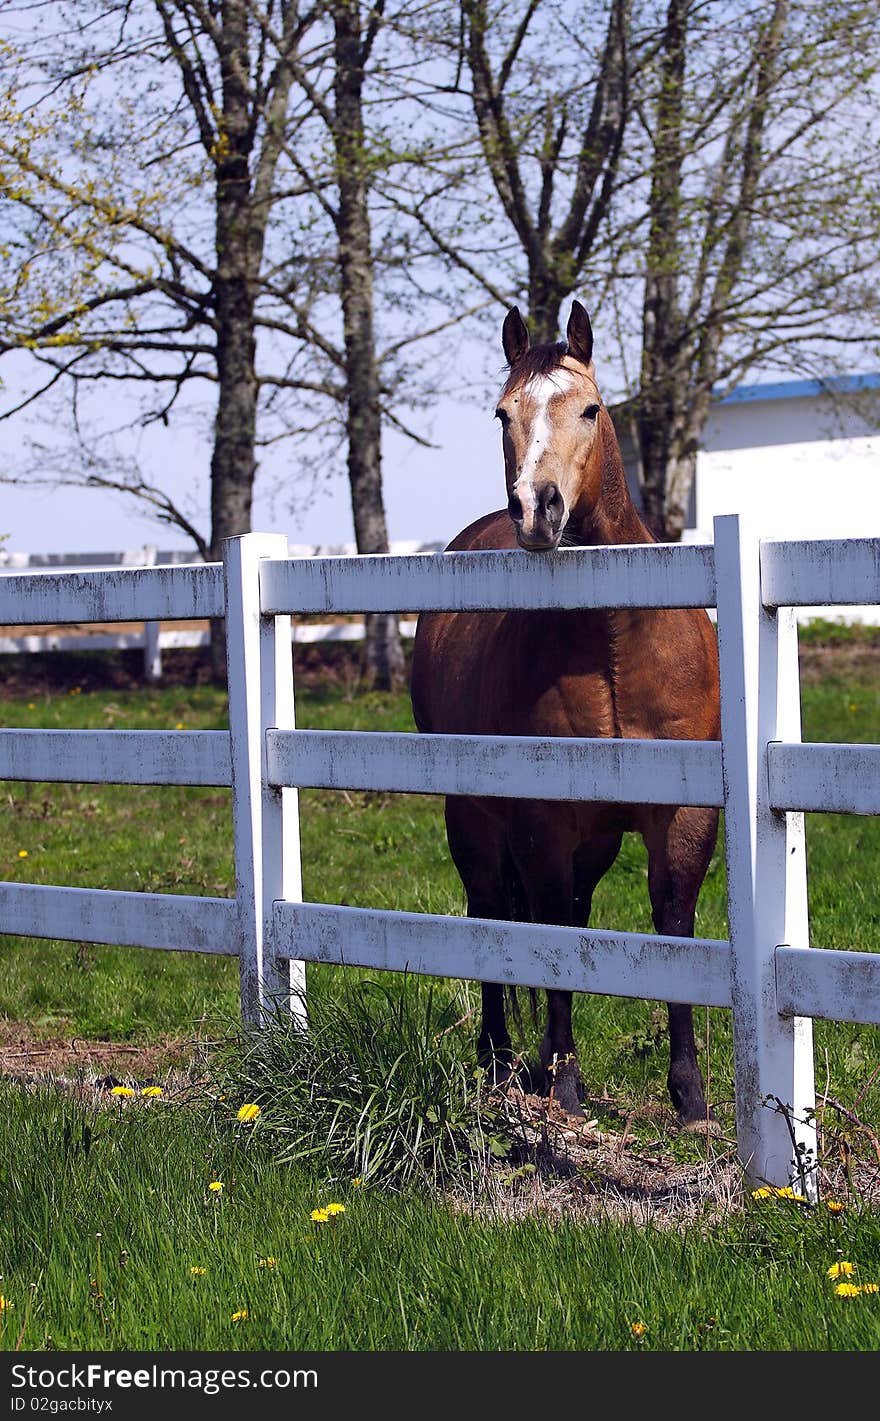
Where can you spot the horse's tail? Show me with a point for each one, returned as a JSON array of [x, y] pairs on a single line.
[[513, 1001]]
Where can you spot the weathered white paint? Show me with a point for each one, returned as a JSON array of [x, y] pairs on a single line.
[[839, 779], [162, 920], [526, 954], [134, 757], [638, 575], [766, 869], [516, 766], [265, 818], [824, 572], [137, 594], [841, 986]]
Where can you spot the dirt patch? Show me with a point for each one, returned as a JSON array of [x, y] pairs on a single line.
[[75, 1063], [857, 660], [595, 1167]]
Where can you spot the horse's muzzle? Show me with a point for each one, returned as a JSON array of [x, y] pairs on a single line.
[[539, 528]]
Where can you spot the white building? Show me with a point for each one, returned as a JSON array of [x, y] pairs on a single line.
[[801, 457]]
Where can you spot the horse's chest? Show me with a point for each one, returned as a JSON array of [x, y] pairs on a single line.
[[544, 682]]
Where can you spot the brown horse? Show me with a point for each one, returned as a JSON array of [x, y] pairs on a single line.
[[643, 674]]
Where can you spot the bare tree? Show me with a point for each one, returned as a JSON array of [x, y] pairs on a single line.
[[763, 214], [181, 219]]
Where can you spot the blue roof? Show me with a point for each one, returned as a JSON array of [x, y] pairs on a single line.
[[802, 389]]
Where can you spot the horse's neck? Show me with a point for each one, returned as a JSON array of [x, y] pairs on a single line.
[[614, 517]]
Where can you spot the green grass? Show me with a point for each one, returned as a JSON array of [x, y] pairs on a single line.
[[137, 1174], [131, 1181]]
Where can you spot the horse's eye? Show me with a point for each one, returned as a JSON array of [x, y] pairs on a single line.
[[590, 412]]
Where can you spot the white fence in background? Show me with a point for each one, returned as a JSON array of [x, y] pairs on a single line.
[[152, 638], [759, 773]]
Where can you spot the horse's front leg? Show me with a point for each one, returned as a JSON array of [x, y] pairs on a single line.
[[680, 844], [559, 1054], [543, 843]]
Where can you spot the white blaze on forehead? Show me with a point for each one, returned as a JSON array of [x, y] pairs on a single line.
[[540, 390]]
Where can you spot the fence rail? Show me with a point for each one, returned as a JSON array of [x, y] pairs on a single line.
[[759, 773]]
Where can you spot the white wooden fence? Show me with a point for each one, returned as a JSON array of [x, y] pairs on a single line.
[[152, 638], [760, 774]]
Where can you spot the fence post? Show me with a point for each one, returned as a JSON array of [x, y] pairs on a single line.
[[152, 649], [265, 819], [766, 869]]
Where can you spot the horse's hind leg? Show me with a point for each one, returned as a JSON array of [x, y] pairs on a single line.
[[479, 851], [680, 844], [560, 875]]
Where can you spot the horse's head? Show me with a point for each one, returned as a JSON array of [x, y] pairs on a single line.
[[549, 412]]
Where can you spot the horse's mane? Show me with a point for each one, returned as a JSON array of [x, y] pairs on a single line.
[[536, 361]]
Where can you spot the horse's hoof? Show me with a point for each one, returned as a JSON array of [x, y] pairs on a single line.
[[500, 1067], [566, 1095], [701, 1126]]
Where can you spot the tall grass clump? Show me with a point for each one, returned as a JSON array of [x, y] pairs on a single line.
[[379, 1088]]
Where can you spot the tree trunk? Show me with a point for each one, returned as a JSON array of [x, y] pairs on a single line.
[[668, 480], [383, 654], [233, 462], [664, 374]]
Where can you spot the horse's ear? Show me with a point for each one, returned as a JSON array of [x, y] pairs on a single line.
[[514, 336], [579, 334]]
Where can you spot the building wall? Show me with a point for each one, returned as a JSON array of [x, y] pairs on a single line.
[[801, 467]]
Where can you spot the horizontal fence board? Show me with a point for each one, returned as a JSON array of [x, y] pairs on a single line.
[[818, 981], [837, 779], [50, 641], [163, 920], [173, 639], [823, 572], [518, 766], [638, 575], [136, 594], [689, 970], [137, 757]]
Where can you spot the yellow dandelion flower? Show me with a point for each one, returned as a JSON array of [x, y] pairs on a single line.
[[847, 1290], [239, 1316], [152, 1090], [834, 1205], [335, 1209], [197, 1272], [870, 1288], [5, 1304], [358, 1183], [31, 705], [179, 725], [320, 1216], [841, 1270], [121, 1090], [215, 1186], [762, 1193], [248, 1112], [268, 1262], [22, 853], [638, 1329]]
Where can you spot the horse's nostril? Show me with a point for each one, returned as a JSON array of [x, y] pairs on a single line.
[[551, 503], [515, 508]]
